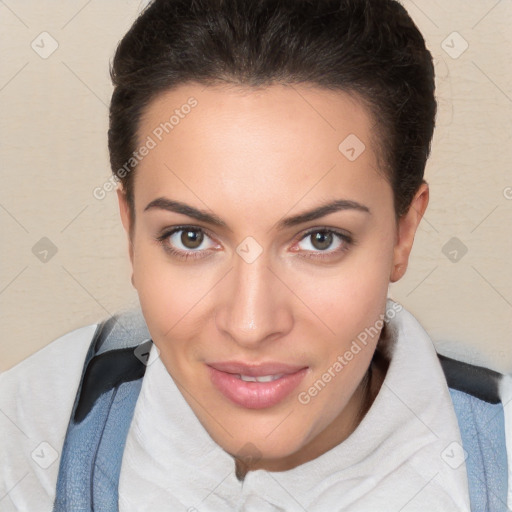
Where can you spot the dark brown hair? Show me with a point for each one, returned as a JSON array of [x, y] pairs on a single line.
[[370, 48]]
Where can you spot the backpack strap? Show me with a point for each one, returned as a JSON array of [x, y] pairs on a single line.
[[475, 395], [105, 402]]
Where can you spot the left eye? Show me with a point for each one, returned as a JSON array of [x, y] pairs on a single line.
[[321, 240]]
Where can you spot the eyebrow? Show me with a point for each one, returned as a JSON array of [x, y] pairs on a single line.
[[170, 205], [322, 211], [162, 203]]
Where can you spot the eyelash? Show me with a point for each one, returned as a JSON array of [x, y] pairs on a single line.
[[182, 255], [346, 239]]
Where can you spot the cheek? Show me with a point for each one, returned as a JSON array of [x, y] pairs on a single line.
[[350, 297], [170, 295], [352, 304]]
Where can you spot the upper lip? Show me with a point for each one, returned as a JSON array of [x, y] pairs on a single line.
[[256, 370]]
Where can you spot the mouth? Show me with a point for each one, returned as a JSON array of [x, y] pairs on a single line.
[[258, 386]]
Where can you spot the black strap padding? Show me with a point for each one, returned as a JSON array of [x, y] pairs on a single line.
[[107, 371], [478, 381]]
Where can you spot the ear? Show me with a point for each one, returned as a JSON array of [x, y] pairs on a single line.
[[406, 229], [126, 219]]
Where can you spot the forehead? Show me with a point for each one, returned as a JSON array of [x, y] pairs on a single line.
[[242, 143]]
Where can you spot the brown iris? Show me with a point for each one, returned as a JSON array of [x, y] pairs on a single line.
[[321, 240], [191, 239]]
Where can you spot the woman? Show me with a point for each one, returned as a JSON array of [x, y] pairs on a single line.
[[270, 157]]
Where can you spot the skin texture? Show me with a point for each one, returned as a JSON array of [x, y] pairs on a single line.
[[253, 157]]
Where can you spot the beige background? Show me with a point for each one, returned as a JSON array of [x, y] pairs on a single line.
[[53, 154]]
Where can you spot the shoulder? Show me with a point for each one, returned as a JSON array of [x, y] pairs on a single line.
[[49, 371], [481, 402], [480, 397], [36, 399]]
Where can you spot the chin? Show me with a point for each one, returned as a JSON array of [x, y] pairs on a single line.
[[266, 443]]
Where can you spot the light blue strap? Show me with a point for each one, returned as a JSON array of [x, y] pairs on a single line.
[[93, 449], [93, 452], [482, 428], [107, 467]]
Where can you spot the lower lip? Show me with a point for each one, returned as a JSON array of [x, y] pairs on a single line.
[[255, 395]]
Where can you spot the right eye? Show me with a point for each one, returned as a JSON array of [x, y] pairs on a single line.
[[187, 242]]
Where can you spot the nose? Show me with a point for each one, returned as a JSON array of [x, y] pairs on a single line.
[[254, 306]]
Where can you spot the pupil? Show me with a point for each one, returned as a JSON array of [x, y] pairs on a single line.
[[322, 240], [191, 239]]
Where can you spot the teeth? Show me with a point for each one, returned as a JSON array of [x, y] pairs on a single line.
[[263, 378]]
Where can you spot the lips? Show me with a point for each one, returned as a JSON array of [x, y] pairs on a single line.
[[255, 386], [256, 370]]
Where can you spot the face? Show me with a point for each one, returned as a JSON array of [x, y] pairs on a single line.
[[261, 250]]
